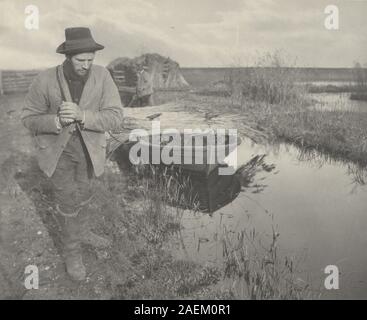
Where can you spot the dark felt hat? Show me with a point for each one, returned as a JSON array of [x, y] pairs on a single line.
[[78, 40]]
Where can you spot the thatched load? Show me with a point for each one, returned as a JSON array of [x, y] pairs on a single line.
[[165, 72]]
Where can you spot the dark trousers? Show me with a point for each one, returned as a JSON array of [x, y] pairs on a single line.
[[72, 192]]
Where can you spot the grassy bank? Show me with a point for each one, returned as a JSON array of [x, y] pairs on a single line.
[[339, 134], [273, 103]]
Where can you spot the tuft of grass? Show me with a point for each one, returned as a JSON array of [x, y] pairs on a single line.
[[256, 270], [137, 214], [271, 81], [163, 196]]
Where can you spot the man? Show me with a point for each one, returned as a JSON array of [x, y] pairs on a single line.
[[144, 87], [68, 109]]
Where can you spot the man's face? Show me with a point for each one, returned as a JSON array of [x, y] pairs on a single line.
[[82, 62]]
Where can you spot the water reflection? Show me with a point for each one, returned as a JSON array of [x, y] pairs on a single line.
[[314, 158], [216, 191], [318, 204], [204, 191]]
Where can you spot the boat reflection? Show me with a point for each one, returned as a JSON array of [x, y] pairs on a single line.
[[199, 190]]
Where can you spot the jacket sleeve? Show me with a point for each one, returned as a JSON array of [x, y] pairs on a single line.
[[110, 114], [35, 114]]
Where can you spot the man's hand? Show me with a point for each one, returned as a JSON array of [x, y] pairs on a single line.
[[63, 122], [69, 112]]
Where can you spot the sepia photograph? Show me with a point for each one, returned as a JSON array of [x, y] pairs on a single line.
[[198, 150]]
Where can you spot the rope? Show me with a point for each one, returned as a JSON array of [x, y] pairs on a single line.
[[74, 214]]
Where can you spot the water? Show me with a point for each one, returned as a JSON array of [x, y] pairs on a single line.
[[337, 102], [327, 83], [318, 208]]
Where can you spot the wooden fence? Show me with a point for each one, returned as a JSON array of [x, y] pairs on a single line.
[[12, 81]]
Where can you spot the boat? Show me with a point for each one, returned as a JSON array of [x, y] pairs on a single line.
[[191, 153]]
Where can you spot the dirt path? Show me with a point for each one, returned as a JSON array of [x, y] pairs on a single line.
[[24, 239]]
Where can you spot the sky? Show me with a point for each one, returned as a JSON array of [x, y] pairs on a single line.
[[195, 33]]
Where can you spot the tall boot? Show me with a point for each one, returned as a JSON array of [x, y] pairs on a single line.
[[87, 236], [72, 249]]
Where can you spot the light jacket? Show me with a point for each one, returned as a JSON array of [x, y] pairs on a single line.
[[103, 112]]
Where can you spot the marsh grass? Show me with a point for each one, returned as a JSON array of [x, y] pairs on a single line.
[[164, 195], [272, 80], [269, 100], [255, 270], [340, 134], [134, 209]]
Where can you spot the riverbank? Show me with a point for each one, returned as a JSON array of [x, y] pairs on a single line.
[[144, 229], [133, 214]]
